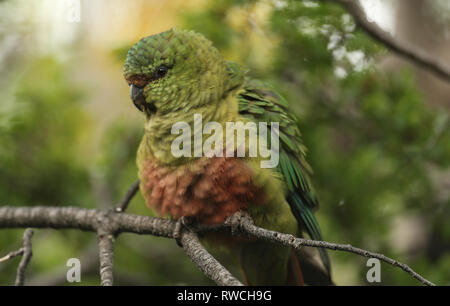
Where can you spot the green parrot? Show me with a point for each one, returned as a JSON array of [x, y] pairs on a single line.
[[177, 75]]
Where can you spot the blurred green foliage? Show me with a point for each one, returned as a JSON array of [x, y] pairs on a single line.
[[38, 151], [374, 145]]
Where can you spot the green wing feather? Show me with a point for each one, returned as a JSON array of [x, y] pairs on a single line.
[[260, 103]]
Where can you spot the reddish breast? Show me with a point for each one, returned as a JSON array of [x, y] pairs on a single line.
[[209, 190]]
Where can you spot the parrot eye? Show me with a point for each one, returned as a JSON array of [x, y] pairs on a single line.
[[161, 71]]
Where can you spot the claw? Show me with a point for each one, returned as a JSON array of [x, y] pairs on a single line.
[[182, 222], [235, 220]]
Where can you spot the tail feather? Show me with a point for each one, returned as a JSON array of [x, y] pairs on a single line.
[[294, 272], [304, 214], [315, 273]]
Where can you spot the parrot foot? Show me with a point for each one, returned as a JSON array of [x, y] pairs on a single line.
[[182, 222], [236, 219]]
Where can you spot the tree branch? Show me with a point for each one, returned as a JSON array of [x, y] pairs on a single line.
[[246, 226], [205, 262], [115, 223], [106, 255], [26, 252], [403, 48], [26, 257]]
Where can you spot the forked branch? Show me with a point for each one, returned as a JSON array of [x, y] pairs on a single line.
[[110, 224]]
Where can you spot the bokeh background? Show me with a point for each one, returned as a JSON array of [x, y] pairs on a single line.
[[377, 127]]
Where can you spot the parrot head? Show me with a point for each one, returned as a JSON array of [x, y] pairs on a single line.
[[175, 71]]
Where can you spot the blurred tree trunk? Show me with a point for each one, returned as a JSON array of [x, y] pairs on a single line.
[[422, 23]]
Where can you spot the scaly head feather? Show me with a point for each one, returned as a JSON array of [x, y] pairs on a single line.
[[176, 71]]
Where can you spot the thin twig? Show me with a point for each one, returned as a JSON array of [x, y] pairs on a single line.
[[247, 226], [26, 257], [403, 48], [131, 192], [12, 254]]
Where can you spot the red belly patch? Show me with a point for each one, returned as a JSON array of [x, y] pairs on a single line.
[[210, 189]]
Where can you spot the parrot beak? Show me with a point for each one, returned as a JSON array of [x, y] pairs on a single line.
[[137, 96]]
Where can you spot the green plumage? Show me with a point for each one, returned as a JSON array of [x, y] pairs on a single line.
[[260, 103]]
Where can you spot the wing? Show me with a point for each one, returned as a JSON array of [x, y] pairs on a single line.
[[260, 103]]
